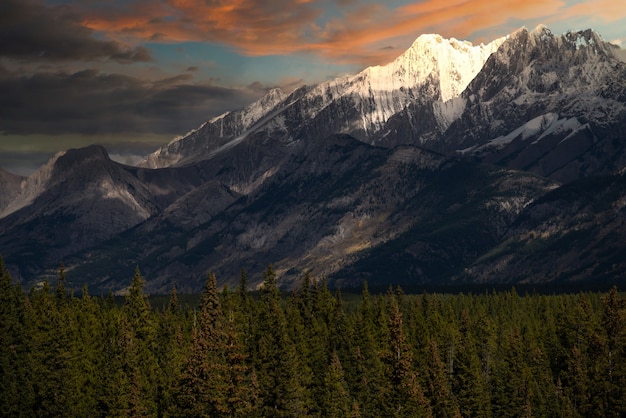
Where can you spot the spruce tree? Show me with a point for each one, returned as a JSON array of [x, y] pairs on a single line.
[[275, 357], [439, 392], [367, 380], [336, 400], [216, 380], [196, 391], [613, 322], [468, 381], [16, 395], [405, 395], [61, 291], [137, 347]]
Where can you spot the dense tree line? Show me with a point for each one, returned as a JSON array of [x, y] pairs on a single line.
[[311, 353]]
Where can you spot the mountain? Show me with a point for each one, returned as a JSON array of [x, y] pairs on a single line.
[[324, 209], [552, 105], [81, 198], [433, 68], [455, 163]]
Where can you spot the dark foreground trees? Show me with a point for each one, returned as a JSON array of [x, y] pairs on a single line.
[[310, 354]]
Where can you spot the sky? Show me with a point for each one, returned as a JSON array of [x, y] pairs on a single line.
[[133, 74]]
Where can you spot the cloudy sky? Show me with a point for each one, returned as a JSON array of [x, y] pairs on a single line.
[[132, 74]]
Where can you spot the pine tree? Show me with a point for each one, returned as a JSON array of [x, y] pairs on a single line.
[[244, 315], [577, 331], [275, 358], [216, 380], [62, 354], [468, 381], [16, 395], [614, 323], [173, 305], [135, 351], [61, 291], [367, 380], [336, 401], [137, 308], [196, 392], [171, 349], [439, 392], [512, 390], [405, 394]]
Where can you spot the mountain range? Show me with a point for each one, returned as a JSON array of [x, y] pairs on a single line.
[[454, 164]]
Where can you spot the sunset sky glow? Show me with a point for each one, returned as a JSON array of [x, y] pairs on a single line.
[[132, 74]]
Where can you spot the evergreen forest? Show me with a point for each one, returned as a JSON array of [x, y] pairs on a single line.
[[310, 353]]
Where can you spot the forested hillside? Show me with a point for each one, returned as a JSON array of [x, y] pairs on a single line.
[[310, 353]]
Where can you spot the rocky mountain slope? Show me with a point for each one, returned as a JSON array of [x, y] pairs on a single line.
[[453, 164], [571, 234], [10, 184], [324, 209], [79, 199], [552, 105]]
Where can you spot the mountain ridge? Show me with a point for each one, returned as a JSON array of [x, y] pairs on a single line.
[[432, 67], [428, 170]]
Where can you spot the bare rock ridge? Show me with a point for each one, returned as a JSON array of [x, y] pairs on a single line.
[[454, 163]]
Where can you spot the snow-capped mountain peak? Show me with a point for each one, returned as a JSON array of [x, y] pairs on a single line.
[[455, 62], [586, 40], [440, 77], [432, 69]]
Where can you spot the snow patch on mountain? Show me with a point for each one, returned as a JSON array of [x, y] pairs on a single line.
[[228, 126], [539, 128], [559, 127], [191, 132], [271, 117], [576, 131], [254, 112]]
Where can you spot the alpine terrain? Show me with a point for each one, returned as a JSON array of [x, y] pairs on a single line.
[[454, 164]]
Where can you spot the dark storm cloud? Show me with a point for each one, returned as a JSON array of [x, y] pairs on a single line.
[[90, 102], [29, 30]]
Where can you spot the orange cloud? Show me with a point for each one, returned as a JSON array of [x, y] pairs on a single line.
[[361, 34], [605, 10], [255, 28], [457, 18]]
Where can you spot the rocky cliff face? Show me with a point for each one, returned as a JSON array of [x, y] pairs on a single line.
[[219, 133]]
